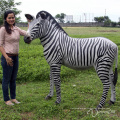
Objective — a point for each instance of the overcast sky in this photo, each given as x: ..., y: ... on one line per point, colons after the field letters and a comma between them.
x: 83, y: 10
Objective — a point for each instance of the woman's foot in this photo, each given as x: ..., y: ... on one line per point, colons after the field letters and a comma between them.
x: 9, y: 103
x: 15, y: 101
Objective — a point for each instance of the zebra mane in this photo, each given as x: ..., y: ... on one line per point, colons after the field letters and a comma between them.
x: 45, y: 15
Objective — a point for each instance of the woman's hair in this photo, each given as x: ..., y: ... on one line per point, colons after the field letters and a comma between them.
x: 7, y: 27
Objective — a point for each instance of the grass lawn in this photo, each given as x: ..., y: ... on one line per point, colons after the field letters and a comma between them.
x: 81, y: 91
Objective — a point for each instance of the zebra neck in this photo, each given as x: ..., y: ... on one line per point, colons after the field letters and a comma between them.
x: 52, y: 36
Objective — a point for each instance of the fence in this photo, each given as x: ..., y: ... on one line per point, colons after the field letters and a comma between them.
x: 21, y: 24
x: 82, y: 24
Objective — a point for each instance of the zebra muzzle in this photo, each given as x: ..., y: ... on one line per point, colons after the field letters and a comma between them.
x: 27, y: 39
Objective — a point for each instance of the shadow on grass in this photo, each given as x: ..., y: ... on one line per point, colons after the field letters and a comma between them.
x: 65, y: 75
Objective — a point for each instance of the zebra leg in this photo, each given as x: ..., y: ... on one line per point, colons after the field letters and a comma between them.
x: 55, y: 71
x: 106, y: 86
x: 49, y: 96
x: 112, y: 100
x: 55, y: 79
x: 103, y: 73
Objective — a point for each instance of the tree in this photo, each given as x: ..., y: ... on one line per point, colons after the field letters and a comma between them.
x: 104, y: 19
x: 6, y: 5
x: 60, y: 17
x: 113, y: 24
x: 118, y: 23
x: 107, y: 21
x: 99, y: 19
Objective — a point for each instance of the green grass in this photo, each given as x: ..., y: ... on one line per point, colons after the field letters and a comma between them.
x: 81, y: 91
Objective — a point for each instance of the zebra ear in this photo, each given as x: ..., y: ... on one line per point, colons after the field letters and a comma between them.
x: 29, y: 17
x: 43, y: 15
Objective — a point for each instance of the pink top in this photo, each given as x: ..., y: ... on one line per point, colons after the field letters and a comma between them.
x: 10, y: 42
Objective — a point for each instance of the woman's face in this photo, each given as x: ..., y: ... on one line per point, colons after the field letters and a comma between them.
x: 10, y: 19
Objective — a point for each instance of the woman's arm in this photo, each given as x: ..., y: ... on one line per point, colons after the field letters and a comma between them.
x: 23, y: 32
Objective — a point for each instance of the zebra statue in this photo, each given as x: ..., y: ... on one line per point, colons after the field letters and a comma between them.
x: 75, y: 53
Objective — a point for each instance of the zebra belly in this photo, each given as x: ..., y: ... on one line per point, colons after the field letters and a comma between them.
x: 76, y: 67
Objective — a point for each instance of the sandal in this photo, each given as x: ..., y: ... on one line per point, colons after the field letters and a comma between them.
x: 15, y: 101
x: 9, y: 103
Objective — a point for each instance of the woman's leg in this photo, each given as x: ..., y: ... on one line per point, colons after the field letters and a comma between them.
x: 7, y: 72
x: 13, y: 78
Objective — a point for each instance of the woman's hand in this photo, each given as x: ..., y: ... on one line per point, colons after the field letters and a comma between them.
x: 9, y: 61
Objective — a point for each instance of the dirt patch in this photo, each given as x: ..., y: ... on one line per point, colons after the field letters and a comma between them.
x: 107, y: 31
x: 26, y: 115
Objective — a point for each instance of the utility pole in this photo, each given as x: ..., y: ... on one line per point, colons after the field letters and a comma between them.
x: 85, y: 16
x: 105, y: 12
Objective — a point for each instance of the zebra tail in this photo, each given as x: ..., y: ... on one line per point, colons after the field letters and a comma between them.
x: 115, y: 77
x: 116, y: 73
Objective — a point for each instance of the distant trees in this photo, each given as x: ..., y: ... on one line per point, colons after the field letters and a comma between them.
x: 104, y: 19
x: 99, y: 19
x: 118, y: 23
x: 107, y: 22
x: 60, y: 17
x: 6, y: 5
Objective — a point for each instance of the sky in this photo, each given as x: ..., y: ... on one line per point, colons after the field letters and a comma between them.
x: 82, y: 10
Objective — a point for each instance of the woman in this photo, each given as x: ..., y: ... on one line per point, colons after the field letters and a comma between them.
x: 9, y: 47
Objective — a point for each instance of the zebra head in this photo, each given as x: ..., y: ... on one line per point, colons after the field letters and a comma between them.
x: 41, y: 25
x: 34, y: 25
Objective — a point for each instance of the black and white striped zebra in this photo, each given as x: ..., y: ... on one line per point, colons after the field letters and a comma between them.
x: 76, y: 53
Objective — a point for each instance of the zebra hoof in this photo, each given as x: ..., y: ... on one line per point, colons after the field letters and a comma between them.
x: 57, y: 103
x: 98, y: 108
x: 111, y: 102
x: 48, y: 98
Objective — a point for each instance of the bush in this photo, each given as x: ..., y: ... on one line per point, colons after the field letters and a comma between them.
x: 113, y: 24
